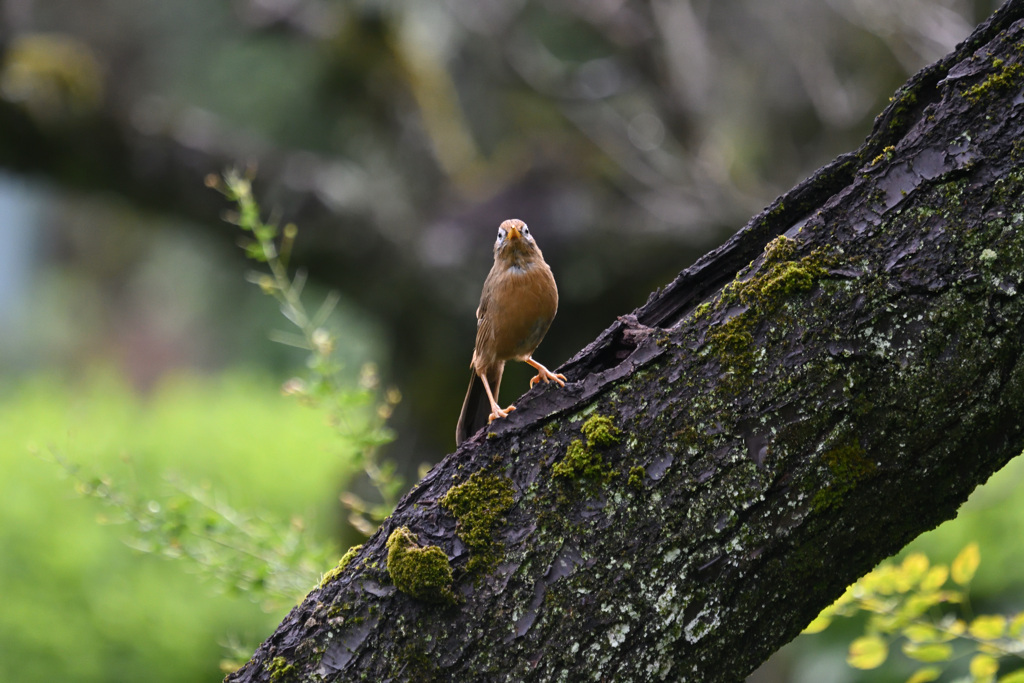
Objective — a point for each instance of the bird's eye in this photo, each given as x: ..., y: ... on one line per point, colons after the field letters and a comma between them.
x: 526, y: 230
x: 501, y: 234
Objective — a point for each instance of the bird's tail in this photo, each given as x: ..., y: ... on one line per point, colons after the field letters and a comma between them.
x: 476, y: 408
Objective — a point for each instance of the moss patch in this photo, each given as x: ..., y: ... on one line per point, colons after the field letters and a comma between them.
x: 1005, y: 77
x: 600, y: 431
x: 636, y: 477
x: 847, y: 465
x: 280, y: 670
x: 582, y: 460
x: 732, y: 343
x: 479, y: 505
x: 342, y: 563
x: 422, y: 572
x: 781, y: 277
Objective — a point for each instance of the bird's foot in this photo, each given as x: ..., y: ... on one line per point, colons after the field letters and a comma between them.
x: 498, y: 412
x: 545, y: 375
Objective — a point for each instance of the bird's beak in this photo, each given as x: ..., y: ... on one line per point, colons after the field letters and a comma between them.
x: 513, y: 234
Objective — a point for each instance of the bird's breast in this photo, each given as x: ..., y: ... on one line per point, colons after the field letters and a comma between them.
x: 524, y: 303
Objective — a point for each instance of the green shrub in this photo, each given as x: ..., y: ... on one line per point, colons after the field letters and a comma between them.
x: 79, y: 604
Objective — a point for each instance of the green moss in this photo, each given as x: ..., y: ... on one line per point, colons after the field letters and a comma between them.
x: 582, y: 460
x: 1005, y: 77
x: 422, y: 572
x: 600, y: 431
x: 847, y: 465
x: 780, y: 278
x: 733, y: 344
x: 906, y: 100
x: 342, y: 563
x: 888, y: 153
x: 280, y: 670
x: 479, y: 505
x: 636, y: 477
x: 779, y: 249
x: 413, y: 664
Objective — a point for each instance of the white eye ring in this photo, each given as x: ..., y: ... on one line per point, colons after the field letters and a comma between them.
x: 501, y: 234
x: 526, y: 230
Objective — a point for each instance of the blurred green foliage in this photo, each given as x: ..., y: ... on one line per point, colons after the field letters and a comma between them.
x: 993, y: 514
x: 79, y: 604
x: 921, y: 607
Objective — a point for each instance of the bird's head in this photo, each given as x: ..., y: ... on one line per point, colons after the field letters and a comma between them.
x: 515, y: 243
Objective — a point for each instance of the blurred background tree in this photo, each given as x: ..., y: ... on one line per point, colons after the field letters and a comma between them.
x: 632, y: 137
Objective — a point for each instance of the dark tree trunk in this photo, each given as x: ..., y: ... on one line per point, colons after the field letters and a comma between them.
x: 795, y: 407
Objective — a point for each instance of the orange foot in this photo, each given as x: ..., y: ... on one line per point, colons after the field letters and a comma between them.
x: 544, y: 375
x: 498, y: 412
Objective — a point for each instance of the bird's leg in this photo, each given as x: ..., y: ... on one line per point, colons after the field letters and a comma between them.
x: 496, y: 410
x: 543, y: 374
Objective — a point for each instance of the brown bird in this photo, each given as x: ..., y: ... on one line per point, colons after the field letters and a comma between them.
x: 517, y: 306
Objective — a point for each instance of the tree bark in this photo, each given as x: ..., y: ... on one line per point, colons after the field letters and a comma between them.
x: 795, y: 407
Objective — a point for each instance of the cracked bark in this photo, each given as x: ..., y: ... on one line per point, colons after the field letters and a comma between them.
x: 801, y: 408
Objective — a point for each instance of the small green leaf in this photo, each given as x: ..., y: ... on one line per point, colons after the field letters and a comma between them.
x: 886, y: 623
x: 820, y: 623
x: 1013, y: 677
x: 867, y: 652
x: 918, y: 603
x: 925, y: 675
x: 846, y: 598
x: 921, y: 633
x: 957, y: 628
x: 254, y: 250
x: 965, y: 564
x: 1016, y: 626
x: 931, y: 652
x: 984, y: 667
x: 988, y: 627
x: 885, y: 579
x: 914, y: 567
x: 876, y: 605
x: 935, y: 578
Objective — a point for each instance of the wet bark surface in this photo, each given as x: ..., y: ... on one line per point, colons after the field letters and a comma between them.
x: 795, y: 407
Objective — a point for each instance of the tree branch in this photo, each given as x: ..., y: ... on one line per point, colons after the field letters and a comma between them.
x: 793, y: 408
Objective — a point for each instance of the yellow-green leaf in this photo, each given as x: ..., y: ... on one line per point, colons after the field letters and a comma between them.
x: 867, y: 652
x: 965, y: 564
x: 921, y: 633
x: 885, y: 579
x: 846, y: 598
x: 935, y: 578
x: 984, y: 667
x: 957, y: 628
x: 914, y: 567
x: 925, y: 675
x: 917, y: 604
x: 1013, y: 677
x: 930, y: 652
x: 885, y: 623
x: 877, y: 605
x: 820, y: 623
x: 988, y: 627
x: 1016, y: 625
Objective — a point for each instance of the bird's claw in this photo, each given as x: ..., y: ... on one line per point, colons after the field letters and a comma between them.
x: 499, y: 413
x: 545, y: 376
